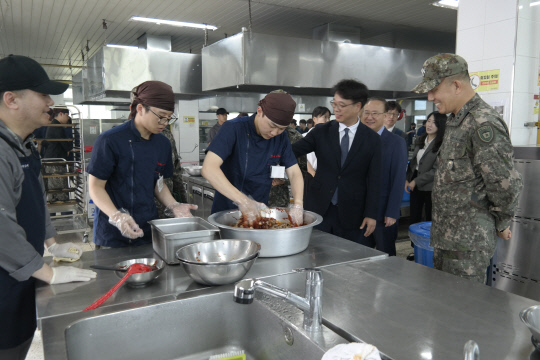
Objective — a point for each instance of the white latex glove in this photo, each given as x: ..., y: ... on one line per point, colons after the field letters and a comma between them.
x: 178, y: 210
x: 67, y: 250
x: 296, y: 212
x: 250, y: 209
x: 126, y: 224
x: 67, y: 274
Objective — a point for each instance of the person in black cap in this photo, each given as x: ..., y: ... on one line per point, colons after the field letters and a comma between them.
x: 24, y: 219
x: 249, y: 152
x: 221, y: 114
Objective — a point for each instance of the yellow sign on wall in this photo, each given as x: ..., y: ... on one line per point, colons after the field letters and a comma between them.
x: 189, y: 119
x: 485, y: 80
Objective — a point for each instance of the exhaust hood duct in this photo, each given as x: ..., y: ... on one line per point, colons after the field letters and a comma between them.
x: 262, y: 63
x: 112, y: 73
x: 155, y: 42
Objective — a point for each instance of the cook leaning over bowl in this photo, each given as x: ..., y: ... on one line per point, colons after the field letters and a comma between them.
x: 240, y: 161
x: 127, y: 168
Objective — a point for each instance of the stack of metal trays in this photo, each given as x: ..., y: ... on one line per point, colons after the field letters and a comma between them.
x: 169, y: 235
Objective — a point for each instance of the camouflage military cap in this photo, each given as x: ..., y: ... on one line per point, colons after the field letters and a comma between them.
x: 437, y: 68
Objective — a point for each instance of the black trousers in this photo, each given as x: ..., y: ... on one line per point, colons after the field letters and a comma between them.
x: 419, y: 201
x: 332, y: 225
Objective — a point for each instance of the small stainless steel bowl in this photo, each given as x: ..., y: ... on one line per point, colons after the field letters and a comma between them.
x: 234, y: 266
x: 141, y: 279
x: 224, y: 251
x: 194, y: 170
x: 531, y: 317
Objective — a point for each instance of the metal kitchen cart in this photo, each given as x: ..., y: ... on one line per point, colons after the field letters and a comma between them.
x: 65, y: 182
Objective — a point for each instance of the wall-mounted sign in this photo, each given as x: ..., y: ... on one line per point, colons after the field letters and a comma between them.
x: 485, y: 80
x: 189, y: 119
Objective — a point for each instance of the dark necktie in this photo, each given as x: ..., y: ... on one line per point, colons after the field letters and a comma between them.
x: 344, y: 152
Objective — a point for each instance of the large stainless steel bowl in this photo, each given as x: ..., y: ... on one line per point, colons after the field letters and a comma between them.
x: 223, y: 251
x: 141, y: 279
x: 274, y: 242
x: 215, y: 272
x: 193, y: 170
x: 531, y: 317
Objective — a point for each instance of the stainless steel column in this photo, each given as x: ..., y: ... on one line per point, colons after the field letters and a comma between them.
x: 515, y: 265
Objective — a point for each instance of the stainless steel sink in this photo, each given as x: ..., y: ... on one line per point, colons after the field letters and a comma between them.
x: 197, y: 328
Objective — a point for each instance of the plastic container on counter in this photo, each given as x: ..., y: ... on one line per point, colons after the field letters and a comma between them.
x: 420, y: 234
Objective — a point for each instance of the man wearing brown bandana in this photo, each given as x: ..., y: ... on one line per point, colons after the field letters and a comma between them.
x: 128, y: 167
x: 245, y: 155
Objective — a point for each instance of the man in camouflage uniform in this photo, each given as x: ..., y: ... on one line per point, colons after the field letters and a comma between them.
x: 279, y: 193
x: 174, y: 183
x: 476, y: 187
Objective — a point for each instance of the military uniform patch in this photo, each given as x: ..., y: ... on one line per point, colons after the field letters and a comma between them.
x: 485, y: 133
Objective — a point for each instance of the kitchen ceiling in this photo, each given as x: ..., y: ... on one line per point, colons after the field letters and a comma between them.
x: 61, y: 32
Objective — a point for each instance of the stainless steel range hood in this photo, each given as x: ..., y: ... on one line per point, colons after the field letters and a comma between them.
x: 113, y: 72
x: 261, y: 63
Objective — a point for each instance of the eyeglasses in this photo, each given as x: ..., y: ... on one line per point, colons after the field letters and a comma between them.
x: 162, y: 120
x: 374, y: 114
x: 340, y: 106
x: 393, y: 114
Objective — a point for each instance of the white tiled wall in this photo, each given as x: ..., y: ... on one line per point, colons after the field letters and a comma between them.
x: 504, y: 35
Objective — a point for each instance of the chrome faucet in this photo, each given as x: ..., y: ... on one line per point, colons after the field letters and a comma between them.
x: 244, y: 292
x: 471, y: 350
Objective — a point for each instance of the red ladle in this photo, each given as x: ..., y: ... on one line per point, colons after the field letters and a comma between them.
x: 132, y: 269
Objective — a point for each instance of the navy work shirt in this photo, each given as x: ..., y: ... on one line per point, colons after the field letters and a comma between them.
x: 247, y: 159
x: 131, y: 165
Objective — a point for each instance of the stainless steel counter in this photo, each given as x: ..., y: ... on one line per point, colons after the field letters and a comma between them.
x: 410, y: 311
x: 55, y: 300
x: 407, y: 310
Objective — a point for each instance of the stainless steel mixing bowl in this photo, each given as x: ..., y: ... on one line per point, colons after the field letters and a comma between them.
x: 531, y: 317
x: 274, y: 242
x: 237, y: 261
x: 141, y: 279
x: 223, y: 251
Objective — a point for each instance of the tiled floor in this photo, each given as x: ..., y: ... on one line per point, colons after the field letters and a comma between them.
x: 403, y: 249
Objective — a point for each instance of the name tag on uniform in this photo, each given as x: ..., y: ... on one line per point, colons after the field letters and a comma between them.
x: 278, y: 172
x: 160, y: 183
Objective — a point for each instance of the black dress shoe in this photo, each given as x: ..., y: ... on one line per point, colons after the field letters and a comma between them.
x: 410, y: 257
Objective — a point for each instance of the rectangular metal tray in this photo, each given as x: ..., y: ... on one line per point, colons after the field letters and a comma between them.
x: 168, y: 235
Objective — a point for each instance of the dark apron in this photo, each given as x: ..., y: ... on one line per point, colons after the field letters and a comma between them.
x: 17, y: 298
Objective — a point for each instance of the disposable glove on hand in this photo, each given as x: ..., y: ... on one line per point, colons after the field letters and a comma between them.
x: 250, y: 209
x: 68, y: 250
x: 178, y: 210
x: 126, y: 224
x: 67, y: 274
x: 296, y: 213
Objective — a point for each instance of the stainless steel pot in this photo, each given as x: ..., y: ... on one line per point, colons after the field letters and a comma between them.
x: 274, y: 242
x: 194, y: 170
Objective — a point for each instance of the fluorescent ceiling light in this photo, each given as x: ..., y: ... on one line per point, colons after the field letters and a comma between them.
x: 535, y: 3
x: 449, y: 4
x: 174, y: 23
x: 123, y: 46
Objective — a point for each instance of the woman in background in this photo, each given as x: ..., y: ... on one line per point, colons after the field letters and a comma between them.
x: 422, y: 167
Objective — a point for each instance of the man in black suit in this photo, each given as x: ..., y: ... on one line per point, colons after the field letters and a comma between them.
x: 394, y: 160
x: 345, y: 190
x: 392, y: 116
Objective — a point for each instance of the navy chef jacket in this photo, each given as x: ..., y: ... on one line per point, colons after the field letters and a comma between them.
x: 131, y: 165
x: 247, y: 159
